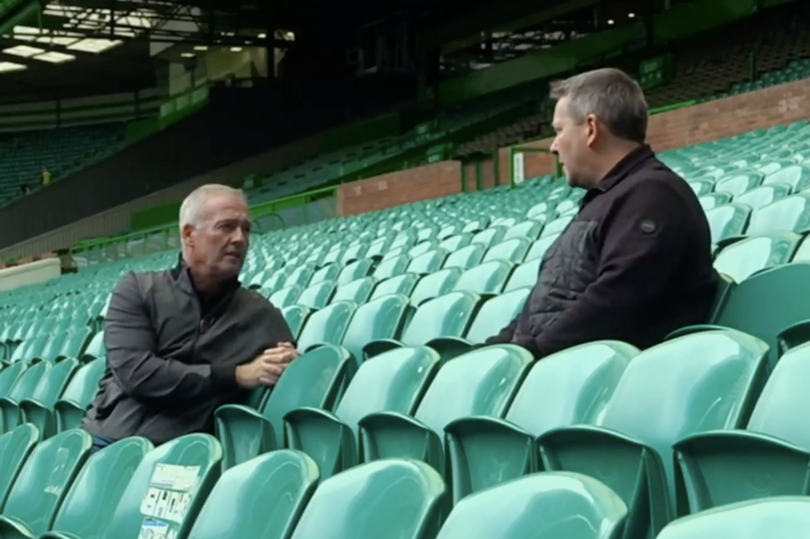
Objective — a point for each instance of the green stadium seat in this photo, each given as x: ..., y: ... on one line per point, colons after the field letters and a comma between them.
x: 523, y: 276
x: 748, y: 256
x: 567, y: 388
x: 317, y: 379
x: 497, y: 312
x: 513, y: 250
x: 69, y: 409
x: 42, y: 483
x: 391, y: 382
x: 406, y: 498
x: 326, y: 273
x: 583, y: 508
x: 353, y: 271
x: 769, y: 458
x: 428, y: 262
x: 539, y: 247
x: 296, y: 316
x: 286, y: 296
x: 466, y: 257
x: 24, y: 388
x: 15, y: 447
x: 379, y: 319
x: 485, y: 279
x: 529, y: 230
x: 738, y: 183
x: 434, y: 285
x: 86, y: 508
x: 797, y: 177
x: 481, y: 382
x: 728, y: 222
x: 762, y: 196
x: 282, y: 481
x: 790, y: 214
x: 326, y: 326
x: 357, y: 291
x: 316, y: 296
x: 182, y: 471
x: 38, y: 408
x: 391, y: 267
x: 777, y: 518
x: 454, y: 243
x: 445, y: 316
x: 712, y: 380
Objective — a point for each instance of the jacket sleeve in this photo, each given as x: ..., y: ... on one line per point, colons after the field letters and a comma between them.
x: 641, y: 250
x: 131, y: 343
x: 277, y: 327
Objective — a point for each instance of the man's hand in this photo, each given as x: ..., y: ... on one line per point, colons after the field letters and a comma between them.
x: 267, y: 368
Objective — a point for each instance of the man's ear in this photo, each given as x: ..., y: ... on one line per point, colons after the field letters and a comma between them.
x: 594, y: 129
x: 187, y: 235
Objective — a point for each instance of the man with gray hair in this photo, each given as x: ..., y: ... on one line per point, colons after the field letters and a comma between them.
x: 181, y: 343
x: 635, y: 263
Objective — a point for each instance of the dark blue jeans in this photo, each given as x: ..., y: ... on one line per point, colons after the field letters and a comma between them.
x: 100, y: 442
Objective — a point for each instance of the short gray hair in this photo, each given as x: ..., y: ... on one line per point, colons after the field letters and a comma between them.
x: 609, y: 94
x: 191, y: 209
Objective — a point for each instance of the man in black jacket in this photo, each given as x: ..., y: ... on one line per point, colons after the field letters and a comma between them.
x: 183, y: 342
x: 635, y: 263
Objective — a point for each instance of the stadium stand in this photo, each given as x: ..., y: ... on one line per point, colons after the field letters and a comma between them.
x: 385, y: 300
x: 391, y: 424
x: 23, y: 156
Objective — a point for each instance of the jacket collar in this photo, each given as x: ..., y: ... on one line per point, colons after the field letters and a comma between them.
x: 182, y: 277
x: 624, y: 167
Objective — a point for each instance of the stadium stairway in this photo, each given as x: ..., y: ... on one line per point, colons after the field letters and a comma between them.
x: 390, y: 425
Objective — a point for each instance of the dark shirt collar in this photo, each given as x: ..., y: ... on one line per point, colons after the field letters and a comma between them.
x: 182, y: 276
x: 620, y: 171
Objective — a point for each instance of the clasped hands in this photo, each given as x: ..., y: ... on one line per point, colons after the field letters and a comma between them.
x: 267, y: 367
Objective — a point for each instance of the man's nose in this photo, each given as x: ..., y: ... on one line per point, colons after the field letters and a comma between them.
x: 239, y: 236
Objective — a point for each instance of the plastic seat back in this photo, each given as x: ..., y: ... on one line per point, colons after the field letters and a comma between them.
x: 317, y: 378
x: 528, y: 230
x: 783, y: 517
x: 295, y: 316
x: 764, y: 195
x: 571, y: 387
x: 326, y: 326
x: 381, y: 318
x: 445, y: 316
x: 538, y: 249
x: 38, y: 408
x: 481, y: 382
x: 262, y: 498
x: 708, y: 381
x: 496, y: 312
x: 167, y: 489
x: 513, y: 250
x: 728, y: 221
x: 89, y: 504
x: 317, y: 296
x: 401, y: 284
x: 45, y: 478
x: 798, y: 177
x: 790, y: 214
x: 486, y: 278
x: 769, y: 303
x: 434, y: 285
x: 742, y: 259
x: 15, y: 447
x: 388, y: 499
x: 550, y: 505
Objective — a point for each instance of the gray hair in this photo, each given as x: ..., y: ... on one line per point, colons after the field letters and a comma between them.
x: 192, y: 207
x: 609, y: 94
